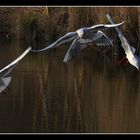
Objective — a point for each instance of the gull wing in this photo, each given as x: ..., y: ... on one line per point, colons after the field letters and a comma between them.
x: 4, y: 82
x: 7, y: 71
x: 67, y: 37
x: 85, y: 41
x: 103, y: 42
x: 103, y: 26
x: 125, y: 44
x: 133, y: 49
x: 103, y: 39
x: 74, y: 49
x: 100, y: 39
x: 12, y: 65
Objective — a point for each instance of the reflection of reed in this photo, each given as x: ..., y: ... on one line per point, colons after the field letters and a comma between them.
x: 85, y: 95
x: 40, y: 114
x: 78, y: 108
x: 66, y: 115
x: 44, y: 121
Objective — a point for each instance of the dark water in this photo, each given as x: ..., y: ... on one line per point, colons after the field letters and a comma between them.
x: 89, y: 94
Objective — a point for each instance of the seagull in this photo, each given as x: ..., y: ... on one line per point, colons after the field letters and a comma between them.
x: 92, y: 33
x: 129, y: 50
x: 4, y: 80
x: 84, y: 33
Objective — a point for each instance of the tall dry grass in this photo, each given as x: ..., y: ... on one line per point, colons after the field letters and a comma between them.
x: 47, y: 24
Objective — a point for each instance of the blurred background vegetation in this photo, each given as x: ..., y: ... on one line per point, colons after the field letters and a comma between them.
x: 46, y: 24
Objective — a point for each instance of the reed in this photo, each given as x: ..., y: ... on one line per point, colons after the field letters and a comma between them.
x: 46, y: 24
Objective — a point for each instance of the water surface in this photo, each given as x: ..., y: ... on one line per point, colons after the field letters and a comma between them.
x: 89, y: 94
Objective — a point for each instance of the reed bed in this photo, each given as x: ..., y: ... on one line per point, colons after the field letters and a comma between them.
x: 46, y: 24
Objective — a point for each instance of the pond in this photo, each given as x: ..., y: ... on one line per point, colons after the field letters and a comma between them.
x: 90, y: 94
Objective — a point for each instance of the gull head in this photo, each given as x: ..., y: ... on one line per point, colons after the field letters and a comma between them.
x: 80, y: 32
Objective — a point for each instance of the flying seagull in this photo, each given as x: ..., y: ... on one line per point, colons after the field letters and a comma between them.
x: 4, y: 80
x: 92, y: 33
x: 84, y: 33
x: 129, y: 50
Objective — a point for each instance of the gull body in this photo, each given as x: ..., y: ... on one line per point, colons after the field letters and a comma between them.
x: 4, y: 80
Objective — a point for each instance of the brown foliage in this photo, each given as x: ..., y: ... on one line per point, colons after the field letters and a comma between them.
x: 46, y: 24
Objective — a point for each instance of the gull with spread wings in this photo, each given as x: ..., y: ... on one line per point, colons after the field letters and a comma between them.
x: 92, y: 33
